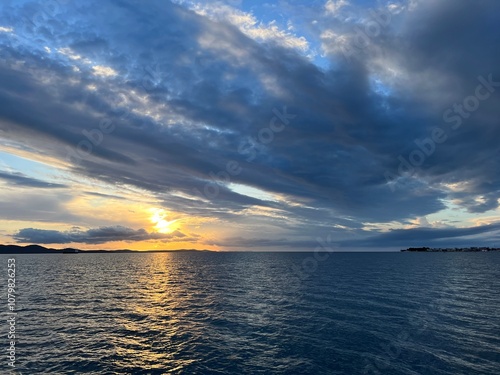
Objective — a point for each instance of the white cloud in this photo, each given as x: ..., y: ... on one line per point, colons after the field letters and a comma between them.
x: 399, y: 7
x: 6, y: 29
x: 248, y: 24
x: 333, y: 6
x: 98, y: 70
x: 69, y: 53
x: 395, y: 8
x: 333, y: 42
x: 72, y: 55
x: 104, y: 71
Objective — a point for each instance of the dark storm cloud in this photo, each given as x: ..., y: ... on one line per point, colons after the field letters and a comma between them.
x: 92, y: 236
x: 211, y: 90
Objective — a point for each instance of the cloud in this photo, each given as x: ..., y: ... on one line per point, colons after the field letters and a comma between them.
x: 187, y: 92
x: 20, y: 179
x: 41, y: 205
x: 91, y: 236
x: 104, y: 71
x: 333, y: 6
x: 283, y: 243
x: 428, y: 237
x: 248, y: 24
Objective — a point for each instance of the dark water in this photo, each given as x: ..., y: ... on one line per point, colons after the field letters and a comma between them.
x: 256, y: 313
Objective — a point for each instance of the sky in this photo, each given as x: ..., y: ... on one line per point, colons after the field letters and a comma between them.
x: 250, y: 125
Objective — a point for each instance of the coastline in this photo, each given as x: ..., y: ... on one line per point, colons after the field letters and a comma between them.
x: 450, y: 249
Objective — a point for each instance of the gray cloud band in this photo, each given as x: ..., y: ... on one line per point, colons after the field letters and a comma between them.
x: 426, y: 147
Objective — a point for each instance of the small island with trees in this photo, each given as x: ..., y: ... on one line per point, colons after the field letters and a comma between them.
x: 450, y: 249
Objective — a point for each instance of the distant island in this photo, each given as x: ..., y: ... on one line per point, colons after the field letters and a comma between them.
x: 37, y: 249
x: 450, y: 249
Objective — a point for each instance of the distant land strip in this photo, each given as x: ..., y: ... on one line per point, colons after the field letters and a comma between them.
x: 37, y: 249
x: 450, y: 249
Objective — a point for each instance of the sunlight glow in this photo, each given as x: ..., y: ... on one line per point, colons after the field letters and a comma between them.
x: 162, y: 225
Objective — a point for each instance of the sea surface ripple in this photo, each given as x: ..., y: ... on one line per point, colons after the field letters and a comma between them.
x: 256, y: 313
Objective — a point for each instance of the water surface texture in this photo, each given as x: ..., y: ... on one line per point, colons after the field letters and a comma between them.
x: 256, y: 313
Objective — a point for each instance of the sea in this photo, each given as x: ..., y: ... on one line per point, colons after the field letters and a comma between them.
x: 252, y: 313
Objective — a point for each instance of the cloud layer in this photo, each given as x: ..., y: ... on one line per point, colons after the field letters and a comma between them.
x: 169, y: 98
x: 91, y: 236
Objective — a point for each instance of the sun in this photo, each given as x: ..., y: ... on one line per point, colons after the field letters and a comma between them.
x: 162, y: 225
